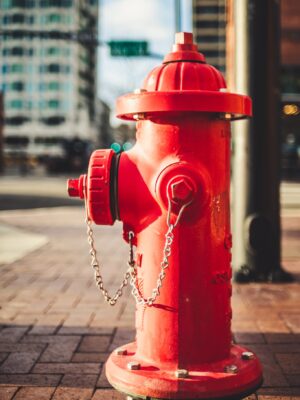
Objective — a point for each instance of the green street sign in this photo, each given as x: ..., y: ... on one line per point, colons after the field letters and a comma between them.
x: 128, y: 48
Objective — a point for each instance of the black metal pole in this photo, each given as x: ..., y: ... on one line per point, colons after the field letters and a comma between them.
x: 262, y: 231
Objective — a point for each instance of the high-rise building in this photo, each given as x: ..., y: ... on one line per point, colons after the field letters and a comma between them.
x: 1, y: 132
x: 290, y: 46
x: 48, y: 72
x: 290, y: 79
x: 209, y: 19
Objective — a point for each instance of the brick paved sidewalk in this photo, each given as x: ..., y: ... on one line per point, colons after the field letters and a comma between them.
x: 56, y: 332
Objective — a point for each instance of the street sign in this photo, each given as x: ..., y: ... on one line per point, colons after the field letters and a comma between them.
x: 128, y: 48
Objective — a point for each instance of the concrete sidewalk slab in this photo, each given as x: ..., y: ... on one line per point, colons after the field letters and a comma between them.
x: 15, y: 243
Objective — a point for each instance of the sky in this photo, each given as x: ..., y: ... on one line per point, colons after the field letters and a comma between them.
x: 151, y: 20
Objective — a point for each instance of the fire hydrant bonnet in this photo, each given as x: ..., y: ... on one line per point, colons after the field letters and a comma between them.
x: 183, y: 83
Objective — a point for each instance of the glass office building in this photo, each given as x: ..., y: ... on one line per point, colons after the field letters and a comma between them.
x: 209, y: 20
x: 48, y: 70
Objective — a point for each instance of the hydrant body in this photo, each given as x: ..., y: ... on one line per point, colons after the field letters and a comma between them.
x: 179, y: 168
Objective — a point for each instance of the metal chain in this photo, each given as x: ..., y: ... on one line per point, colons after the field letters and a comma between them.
x: 111, y: 300
x: 132, y: 268
x: 167, y: 251
x: 163, y: 265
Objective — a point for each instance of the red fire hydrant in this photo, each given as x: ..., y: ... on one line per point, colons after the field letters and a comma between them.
x: 171, y: 191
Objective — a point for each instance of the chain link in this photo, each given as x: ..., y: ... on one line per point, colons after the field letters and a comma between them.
x: 131, y: 272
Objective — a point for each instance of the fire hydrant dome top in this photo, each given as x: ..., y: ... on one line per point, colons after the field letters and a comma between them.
x: 184, y: 69
x: 184, y: 82
x: 184, y: 76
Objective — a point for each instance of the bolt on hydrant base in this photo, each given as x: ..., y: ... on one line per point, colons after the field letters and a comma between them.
x: 210, y: 381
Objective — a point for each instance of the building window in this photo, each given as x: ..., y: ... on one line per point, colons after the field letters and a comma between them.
x: 24, y: 3
x: 53, y: 85
x: 5, y: 69
x: 7, y: 4
x: 17, y: 51
x: 18, y: 120
x: 6, y: 20
x: 56, y: 3
x: 17, y: 86
x: 57, y: 120
x: 211, y: 39
x: 209, y: 10
x: 18, y: 18
x: 17, y: 68
x: 16, y: 104
x: 215, y: 53
x: 53, y: 68
x: 18, y: 140
x: 210, y: 24
x: 53, y: 104
x: 53, y: 51
x: 54, y: 18
x: 5, y: 51
x: 3, y: 87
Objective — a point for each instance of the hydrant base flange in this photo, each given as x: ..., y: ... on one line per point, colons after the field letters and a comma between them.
x: 218, y: 380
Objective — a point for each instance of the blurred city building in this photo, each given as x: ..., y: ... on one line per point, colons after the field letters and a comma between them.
x: 209, y: 27
x: 209, y: 20
x: 124, y: 133
x: 290, y: 61
x: 104, y: 129
x: 48, y: 76
x: 1, y: 132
